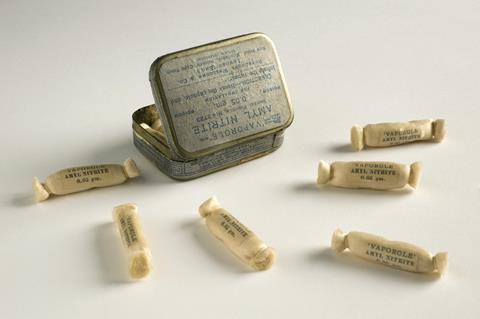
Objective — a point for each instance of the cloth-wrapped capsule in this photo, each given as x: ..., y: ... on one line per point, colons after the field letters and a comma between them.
x: 128, y: 225
x: 157, y: 132
x: 77, y: 179
x: 374, y: 175
x: 395, y: 254
x: 390, y: 134
x: 240, y: 240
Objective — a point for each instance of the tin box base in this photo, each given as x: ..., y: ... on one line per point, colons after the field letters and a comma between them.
x: 159, y: 153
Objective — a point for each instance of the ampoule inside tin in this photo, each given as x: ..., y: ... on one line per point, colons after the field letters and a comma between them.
x: 157, y: 132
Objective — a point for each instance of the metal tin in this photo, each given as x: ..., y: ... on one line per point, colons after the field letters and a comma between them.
x: 219, y: 105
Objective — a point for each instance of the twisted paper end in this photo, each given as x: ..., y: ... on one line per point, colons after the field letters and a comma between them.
x: 40, y: 191
x: 129, y: 207
x: 264, y: 259
x: 356, y: 137
x: 415, y: 174
x: 208, y: 206
x: 439, y: 130
x: 440, y: 262
x: 339, y: 241
x: 323, y: 173
x: 130, y: 168
x: 140, y: 265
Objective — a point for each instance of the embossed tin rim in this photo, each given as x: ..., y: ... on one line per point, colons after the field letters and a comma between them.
x: 143, y: 136
x: 162, y: 105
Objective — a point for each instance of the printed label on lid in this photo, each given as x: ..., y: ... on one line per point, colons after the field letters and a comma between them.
x: 225, y: 94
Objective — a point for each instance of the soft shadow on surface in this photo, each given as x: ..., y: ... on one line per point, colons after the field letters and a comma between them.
x: 346, y: 261
x: 21, y: 200
x: 328, y: 189
x: 214, y: 247
x: 120, y: 150
x: 112, y: 257
x: 342, y: 148
x: 191, y: 224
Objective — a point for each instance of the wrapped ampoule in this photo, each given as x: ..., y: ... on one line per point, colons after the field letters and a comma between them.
x: 390, y: 134
x: 373, y: 175
x: 128, y: 224
x: 77, y: 179
x: 240, y: 240
x: 395, y: 254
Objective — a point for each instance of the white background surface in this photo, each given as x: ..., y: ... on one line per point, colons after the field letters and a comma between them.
x: 72, y: 72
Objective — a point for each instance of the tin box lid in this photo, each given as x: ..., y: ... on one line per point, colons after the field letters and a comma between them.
x: 220, y: 94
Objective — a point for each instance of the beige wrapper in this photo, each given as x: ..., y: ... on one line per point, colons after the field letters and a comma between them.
x: 374, y: 175
x: 390, y: 134
x: 128, y: 224
x: 395, y: 254
x: 77, y: 179
x: 241, y: 241
x: 157, y: 125
x: 157, y: 132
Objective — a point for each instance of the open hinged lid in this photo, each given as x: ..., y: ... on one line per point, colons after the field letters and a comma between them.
x: 220, y: 94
